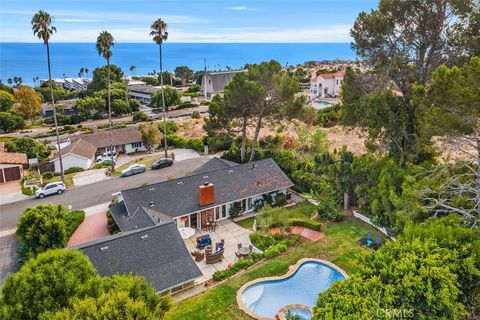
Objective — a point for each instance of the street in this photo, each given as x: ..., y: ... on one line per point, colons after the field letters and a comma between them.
x: 96, y: 193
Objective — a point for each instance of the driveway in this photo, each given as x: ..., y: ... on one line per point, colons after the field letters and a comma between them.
x: 97, y: 193
x: 89, y: 176
x: 93, y: 227
x: 11, y: 192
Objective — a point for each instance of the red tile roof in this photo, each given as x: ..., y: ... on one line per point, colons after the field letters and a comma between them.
x: 12, y: 157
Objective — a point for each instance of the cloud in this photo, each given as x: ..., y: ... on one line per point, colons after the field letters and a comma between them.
x: 240, y: 8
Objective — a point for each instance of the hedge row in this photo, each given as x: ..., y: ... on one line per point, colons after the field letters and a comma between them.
x: 74, y: 219
x: 314, y: 225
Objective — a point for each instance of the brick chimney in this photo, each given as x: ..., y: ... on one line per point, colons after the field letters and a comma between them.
x: 206, y: 194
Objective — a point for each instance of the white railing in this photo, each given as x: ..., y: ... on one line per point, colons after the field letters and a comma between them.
x: 366, y: 219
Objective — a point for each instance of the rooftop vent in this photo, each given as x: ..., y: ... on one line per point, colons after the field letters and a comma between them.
x: 151, y: 204
x: 145, y: 236
x: 151, y: 189
x: 180, y: 182
x: 205, y: 177
x: 230, y: 171
x: 104, y: 248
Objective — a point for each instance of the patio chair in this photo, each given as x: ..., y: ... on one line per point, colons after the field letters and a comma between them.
x: 239, y: 245
x: 251, y: 248
x: 204, y: 241
x: 214, y: 258
x: 219, y: 245
x: 366, y: 240
x: 378, y: 243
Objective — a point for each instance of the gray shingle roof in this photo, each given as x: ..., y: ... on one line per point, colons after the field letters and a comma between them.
x: 180, y: 196
x: 101, y: 138
x: 213, y: 164
x: 78, y: 147
x: 142, y: 217
x: 158, y: 253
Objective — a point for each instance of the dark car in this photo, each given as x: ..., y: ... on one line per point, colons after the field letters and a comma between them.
x: 162, y: 163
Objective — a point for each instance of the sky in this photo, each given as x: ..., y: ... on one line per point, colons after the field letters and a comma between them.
x: 188, y: 21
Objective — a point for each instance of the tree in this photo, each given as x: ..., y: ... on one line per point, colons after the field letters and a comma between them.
x: 88, y: 105
x: 59, y: 93
x: 42, y: 228
x: 31, y: 147
x: 121, y: 297
x: 151, y: 136
x: 279, y: 88
x: 134, y: 105
x: 42, y: 27
x: 104, y: 44
x: 29, y: 102
x: 6, y: 101
x: 100, y: 77
x: 451, y: 104
x: 344, y: 176
x: 46, y: 284
x: 11, y: 121
x: 184, y: 73
x: 119, y: 107
x: 158, y: 31
x: 172, y: 98
x: 132, y: 69
x: 403, y: 41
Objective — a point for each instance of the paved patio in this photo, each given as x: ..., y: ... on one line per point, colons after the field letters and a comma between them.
x: 232, y: 234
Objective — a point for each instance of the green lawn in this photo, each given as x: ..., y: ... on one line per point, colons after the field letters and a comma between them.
x: 68, y: 179
x: 339, y: 246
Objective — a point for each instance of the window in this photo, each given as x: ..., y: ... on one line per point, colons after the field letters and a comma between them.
x: 337, y: 81
x: 136, y: 144
x: 224, y: 211
x: 217, y: 213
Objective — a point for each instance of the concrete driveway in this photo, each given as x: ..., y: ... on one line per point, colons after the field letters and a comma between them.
x: 11, y: 192
x: 89, y: 176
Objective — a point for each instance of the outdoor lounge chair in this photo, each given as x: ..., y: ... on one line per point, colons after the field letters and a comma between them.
x: 365, y: 241
x: 214, y: 258
x: 204, y: 241
x: 378, y: 243
x: 219, y: 245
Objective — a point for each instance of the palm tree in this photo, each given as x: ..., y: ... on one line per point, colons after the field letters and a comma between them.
x: 43, y: 29
x: 104, y: 44
x: 82, y: 70
x: 34, y: 81
x: 132, y: 69
x: 86, y: 72
x: 160, y: 34
x: 10, y: 81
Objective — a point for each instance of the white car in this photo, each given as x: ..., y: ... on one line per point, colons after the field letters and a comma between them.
x: 106, y: 156
x: 49, y: 189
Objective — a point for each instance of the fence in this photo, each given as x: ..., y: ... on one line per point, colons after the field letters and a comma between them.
x: 366, y: 219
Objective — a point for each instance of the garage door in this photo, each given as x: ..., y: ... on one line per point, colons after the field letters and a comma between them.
x: 10, y: 174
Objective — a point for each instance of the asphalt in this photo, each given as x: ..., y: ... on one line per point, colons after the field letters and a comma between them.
x: 97, y: 193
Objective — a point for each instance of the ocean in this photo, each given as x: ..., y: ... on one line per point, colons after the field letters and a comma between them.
x: 28, y: 60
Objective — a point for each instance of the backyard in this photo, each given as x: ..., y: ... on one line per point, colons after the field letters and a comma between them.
x: 338, y: 246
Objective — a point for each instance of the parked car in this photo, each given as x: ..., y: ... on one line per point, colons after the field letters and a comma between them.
x: 106, y: 155
x: 49, y: 189
x: 133, y: 169
x: 162, y: 163
x: 104, y: 160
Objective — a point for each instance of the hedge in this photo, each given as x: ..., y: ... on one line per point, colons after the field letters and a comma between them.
x: 242, y: 263
x: 185, y: 143
x: 73, y: 170
x: 260, y: 241
x: 73, y: 220
x: 314, y: 225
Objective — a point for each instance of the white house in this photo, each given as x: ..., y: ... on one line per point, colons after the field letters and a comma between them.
x: 79, y: 153
x: 215, y: 82
x: 326, y: 85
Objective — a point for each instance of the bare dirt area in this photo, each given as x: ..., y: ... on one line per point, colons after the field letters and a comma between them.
x: 192, y: 128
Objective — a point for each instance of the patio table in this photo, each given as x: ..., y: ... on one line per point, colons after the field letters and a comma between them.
x: 186, y: 232
x: 244, y: 251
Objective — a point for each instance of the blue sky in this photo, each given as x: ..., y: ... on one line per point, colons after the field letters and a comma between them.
x: 188, y: 21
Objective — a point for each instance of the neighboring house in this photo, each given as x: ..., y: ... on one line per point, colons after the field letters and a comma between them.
x: 126, y: 140
x: 214, y: 82
x: 209, y: 192
x: 326, y: 85
x: 79, y: 153
x: 156, y: 252
x: 68, y: 108
x: 11, y: 164
x: 142, y: 92
x: 71, y: 83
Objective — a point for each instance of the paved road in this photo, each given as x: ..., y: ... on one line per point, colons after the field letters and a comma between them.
x: 96, y: 193
x: 8, y: 253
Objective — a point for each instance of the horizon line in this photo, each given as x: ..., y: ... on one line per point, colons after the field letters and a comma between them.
x: 151, y: 42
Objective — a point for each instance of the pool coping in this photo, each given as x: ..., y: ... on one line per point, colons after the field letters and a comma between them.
x: 291, y: 270
x: 281, y: 314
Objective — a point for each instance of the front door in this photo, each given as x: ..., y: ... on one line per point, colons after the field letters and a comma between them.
x: 193, y: 221
x: 206, y: 215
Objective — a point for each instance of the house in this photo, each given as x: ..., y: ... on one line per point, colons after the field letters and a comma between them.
x: 71, y: 83
x: 11, y: 164
x: 207, y: 194
x: 149, y: 243
x: 214, y: 82
x: 326, y: 85
x: 125, y: 140
x: 68, y: 108
x: 79, y: 153
x: 142, y: 92
x: 156, y: 252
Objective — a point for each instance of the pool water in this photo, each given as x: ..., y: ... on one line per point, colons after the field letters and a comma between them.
x: 266, y: 298
x: 303, y: 314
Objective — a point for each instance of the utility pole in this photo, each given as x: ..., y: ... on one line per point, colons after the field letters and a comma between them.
x: 205, y: 78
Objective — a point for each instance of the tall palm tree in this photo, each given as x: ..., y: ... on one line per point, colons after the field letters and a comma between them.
x: 82, y: 70
x: 132, y: 69
x: 160, y: 34
x: 42, y: 27
x: 104, y: 44
x: 10, y: 81
x: 86, y: 72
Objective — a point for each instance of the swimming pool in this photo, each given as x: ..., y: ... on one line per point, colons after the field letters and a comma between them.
x: 263, y: 298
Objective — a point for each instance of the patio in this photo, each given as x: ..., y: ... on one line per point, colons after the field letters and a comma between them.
x: 232, y: 234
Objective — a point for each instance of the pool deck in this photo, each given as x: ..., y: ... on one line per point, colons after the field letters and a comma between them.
x: 291, y: 270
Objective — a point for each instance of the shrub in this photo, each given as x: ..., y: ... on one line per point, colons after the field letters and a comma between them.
x: 242, y: 263
x: 172, y: 127
x: 112, y: 226
x: 47, y: 175
x: 329, y: 117
x: 73, y: 170
x: 260, y: 241
x: 280, y: 199
x: 275, y: 250
x: 195, y: 114
x: 74, y: 219
x: 186, y: 105
x: 219, y: 142
x: 140, y: 116
x: 311, y: 224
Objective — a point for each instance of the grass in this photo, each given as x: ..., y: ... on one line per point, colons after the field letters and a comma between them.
x: 74, y: 219
x: 246, y: 223
x: 68, y: 179
x: 29, y: 191
x: 146, y: 160
x: 338, y: 246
